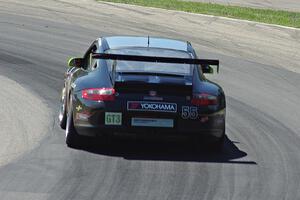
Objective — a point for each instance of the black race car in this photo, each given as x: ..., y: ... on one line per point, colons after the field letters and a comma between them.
x: 141, y: 86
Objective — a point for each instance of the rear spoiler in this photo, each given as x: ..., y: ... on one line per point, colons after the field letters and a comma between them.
x: 202, y: 62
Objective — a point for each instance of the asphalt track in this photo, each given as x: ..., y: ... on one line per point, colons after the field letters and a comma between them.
x: 290, y: 5
x: 15, y: 139
x: 259, y: 72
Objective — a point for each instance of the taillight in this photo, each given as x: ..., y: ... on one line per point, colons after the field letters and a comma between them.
x: 99, y: 94
x: 204, y: 99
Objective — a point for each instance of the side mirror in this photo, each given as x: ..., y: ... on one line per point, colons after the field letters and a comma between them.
x: 75, y: 62
x: 207, y: 69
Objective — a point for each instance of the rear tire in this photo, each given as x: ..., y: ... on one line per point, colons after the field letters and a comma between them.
x: 73, y: 140
x: 218, y: 145
x: 211, y: 144
x: 62, y: 117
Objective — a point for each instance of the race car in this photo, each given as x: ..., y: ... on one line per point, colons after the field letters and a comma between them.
x: 142, y: 87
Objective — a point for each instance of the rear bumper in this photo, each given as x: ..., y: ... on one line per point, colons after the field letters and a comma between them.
x: 148, y: 133
x: 90, y: 121
x: 212, y: 127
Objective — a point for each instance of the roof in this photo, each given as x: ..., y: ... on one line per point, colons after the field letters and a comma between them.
x: 116, y: 42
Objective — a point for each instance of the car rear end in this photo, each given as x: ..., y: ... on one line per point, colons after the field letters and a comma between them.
x: 151, y: 101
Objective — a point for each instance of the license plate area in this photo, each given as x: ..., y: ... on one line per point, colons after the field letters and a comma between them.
x: 152, y: 122
x: 113, y: 118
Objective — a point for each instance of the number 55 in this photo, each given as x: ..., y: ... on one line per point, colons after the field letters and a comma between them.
x: 189, y: 112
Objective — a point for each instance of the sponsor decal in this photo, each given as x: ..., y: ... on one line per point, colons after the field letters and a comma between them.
x: 78, y: 108
x: 82, y: 116
x: 152, y: 122
x: 153, y: 98
x: 152, y: 93
x: 113, y: 118
x: 151, y: 106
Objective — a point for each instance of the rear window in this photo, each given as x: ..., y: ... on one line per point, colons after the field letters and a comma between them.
x: 150, y: 67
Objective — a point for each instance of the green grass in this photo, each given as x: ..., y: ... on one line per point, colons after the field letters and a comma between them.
x: 284, y: 18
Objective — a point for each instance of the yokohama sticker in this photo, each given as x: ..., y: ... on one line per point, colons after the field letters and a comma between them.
x: 151, y: 106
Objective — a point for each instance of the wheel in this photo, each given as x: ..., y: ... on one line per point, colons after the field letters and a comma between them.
x: 62, y: 117
x: 219, y: 144
x: 73, y: 140
x: 212, y: 144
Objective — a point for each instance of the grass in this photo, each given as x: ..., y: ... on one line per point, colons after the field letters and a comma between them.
x: 284, y: 18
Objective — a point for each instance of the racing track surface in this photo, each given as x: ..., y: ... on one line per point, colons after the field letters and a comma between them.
x: 259, y: 66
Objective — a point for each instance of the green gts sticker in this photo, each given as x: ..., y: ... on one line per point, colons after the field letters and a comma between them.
x: 113, y: 118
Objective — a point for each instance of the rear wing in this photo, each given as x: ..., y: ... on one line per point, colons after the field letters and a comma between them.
x: 205, y: 63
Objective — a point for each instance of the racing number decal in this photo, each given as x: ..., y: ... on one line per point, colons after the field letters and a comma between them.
x: 189, y: 112
x: 193, y: 112
x: 185, y: 113
x: 113, y: 118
